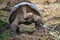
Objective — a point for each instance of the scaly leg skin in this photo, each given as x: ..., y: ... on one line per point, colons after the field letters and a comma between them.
x: 13, y: 27
x: 38, y: 22
x: 38, y: 25
x: 13, y: 30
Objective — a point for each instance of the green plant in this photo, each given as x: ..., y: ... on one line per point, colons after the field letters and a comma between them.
x: 4, y: 35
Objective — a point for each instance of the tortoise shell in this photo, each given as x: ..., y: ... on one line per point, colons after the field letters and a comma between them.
x: 18, y: 6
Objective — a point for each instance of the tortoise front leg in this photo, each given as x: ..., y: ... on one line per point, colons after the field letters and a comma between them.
x: 38, y: 22
x: 13, y: 27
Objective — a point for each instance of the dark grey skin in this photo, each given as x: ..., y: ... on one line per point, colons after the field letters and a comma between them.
x: 22, y: 16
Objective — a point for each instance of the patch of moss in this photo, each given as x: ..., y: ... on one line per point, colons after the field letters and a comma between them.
x: 2, y: 23
x: 4, y: 35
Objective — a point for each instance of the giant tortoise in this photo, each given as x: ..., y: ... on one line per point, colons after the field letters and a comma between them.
x: 24, y: 13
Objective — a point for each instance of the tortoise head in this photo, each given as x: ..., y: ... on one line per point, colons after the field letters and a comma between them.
x: 28, y: 16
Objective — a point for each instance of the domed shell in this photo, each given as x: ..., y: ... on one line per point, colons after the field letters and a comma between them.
x: 16, y: 7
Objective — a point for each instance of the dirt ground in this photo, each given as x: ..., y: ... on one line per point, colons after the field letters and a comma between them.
x: 50, y: 16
